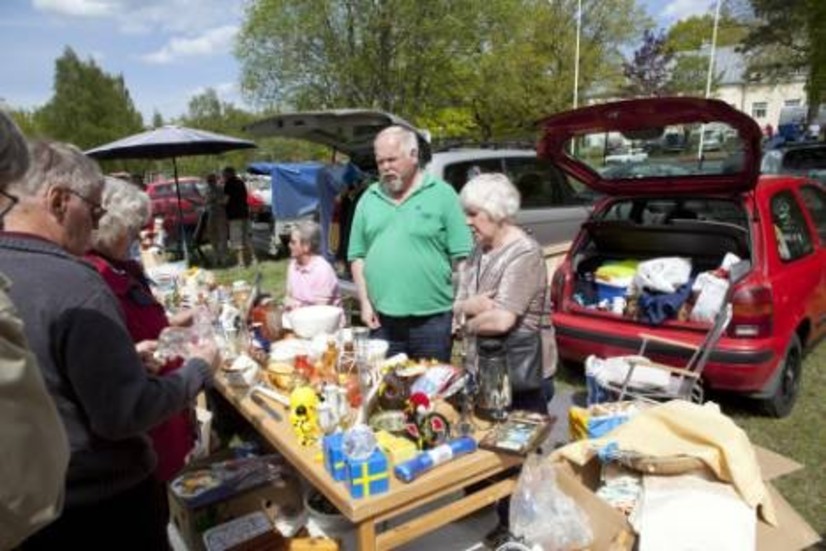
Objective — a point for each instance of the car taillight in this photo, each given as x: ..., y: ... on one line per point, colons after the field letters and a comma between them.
x: 559, y: 287
x: 752, y: 312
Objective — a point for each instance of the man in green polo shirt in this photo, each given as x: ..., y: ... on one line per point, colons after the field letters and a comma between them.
x: 408, y: 232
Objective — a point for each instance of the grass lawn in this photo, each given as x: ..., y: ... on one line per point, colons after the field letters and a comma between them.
x: 795, y: 436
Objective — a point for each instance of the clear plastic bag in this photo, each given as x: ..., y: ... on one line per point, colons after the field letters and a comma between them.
x: 542, y: 514
x: 662, y: 275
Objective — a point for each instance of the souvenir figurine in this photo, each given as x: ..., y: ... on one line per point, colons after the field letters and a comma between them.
x: 304, y: 415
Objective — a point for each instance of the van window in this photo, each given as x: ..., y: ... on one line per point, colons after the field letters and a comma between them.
x: 458, y: 174
x: 541, y: 184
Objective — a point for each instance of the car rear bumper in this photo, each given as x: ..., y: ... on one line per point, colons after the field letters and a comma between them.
x: 740, y: 365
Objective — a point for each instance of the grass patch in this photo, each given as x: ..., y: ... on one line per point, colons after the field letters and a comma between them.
x: 797, y: 436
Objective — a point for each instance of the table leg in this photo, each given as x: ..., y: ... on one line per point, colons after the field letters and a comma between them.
x: 367, y: 535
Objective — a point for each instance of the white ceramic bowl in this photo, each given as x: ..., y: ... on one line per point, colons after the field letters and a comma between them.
x: 315, y: 320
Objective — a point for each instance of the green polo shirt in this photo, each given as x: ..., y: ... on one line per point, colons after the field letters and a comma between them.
x: 408, y: 248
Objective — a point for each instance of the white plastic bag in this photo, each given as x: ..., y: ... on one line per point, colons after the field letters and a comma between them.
x: 543, y: 514
x: 662, y: 275
x: 711, y: 292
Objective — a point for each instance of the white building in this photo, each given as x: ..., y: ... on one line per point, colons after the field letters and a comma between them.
x: 759, y: 98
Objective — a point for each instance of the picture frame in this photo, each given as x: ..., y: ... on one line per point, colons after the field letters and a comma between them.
x: 519, y: 434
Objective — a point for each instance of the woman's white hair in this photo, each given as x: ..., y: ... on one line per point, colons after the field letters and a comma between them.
x: 14, y: 151
x: 309, y: 233
x: 127, y: 211
x: 59, y: 164
x: 492, y: 193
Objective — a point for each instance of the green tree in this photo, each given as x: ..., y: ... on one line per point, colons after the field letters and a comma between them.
x: 89, y: 107
x: 689, y: 74
x: 692, y: 33
x: 485, y: 68
x: 788, y: 37
x: 157, y: 120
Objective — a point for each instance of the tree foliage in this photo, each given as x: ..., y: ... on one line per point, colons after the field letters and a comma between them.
x: 89, y: 107
x: 480, y: 68
x: 649, y: 71
x: 788, y: 37
x: 692, y: 33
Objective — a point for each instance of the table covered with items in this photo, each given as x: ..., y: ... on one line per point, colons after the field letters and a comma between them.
x: 363, y: 439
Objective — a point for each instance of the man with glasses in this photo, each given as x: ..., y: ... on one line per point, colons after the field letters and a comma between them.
x: 36, y: 451
x: 105, y: 396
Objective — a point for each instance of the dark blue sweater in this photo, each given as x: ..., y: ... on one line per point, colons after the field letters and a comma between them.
x: 103, y: 393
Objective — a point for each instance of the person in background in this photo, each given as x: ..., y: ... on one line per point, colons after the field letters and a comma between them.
x: 35, y: 448
x: 216, y: 202
x: 310, y: 278
x: 127, y: 211
x: 503, y: 292
x: 408, y: 232
x: 105, y: 396
x: 238, y: 215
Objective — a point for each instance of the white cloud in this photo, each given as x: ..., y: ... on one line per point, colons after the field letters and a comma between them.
x: 77, y: 8
x: 145, y: 16
x: 218, y: 40
x: 681, y: 9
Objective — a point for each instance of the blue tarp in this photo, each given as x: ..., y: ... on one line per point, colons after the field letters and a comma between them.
x: 294, y: 190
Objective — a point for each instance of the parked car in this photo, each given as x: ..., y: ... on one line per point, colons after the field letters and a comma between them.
x: 777, y: 224
x: 553, y: 206
x: 802, y: 159
x: 165, y: 203
x: 631, y: 155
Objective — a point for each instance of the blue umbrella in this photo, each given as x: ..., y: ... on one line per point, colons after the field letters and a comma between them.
x: 170, y: 142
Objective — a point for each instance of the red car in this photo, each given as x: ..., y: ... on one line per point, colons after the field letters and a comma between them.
x: 715, y: 204
x: 165, y: 202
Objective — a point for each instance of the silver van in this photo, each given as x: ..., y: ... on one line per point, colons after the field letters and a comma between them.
x: 553, y: 205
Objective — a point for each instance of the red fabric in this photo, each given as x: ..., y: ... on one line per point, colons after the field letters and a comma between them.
x: 145, y: 319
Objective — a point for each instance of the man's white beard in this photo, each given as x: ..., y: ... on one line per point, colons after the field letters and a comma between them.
x: 393, y: 186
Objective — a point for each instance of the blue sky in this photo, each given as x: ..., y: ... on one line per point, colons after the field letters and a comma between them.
x: 167, y: 50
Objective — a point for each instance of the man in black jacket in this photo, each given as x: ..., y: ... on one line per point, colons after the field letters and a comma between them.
x: 104, y: 395
x: 238, y: 216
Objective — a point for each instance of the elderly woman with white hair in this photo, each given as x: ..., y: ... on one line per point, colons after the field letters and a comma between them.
x: 127, y: 211
x: 502, y: 298
x: 503, y: 289
x: 310, y: 278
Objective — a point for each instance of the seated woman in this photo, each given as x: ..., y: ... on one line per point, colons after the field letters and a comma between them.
x: 503, y: 287
x: 310, y: 278
x: 127, y: 211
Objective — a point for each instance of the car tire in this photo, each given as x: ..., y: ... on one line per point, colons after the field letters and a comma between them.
x: 782, y: 400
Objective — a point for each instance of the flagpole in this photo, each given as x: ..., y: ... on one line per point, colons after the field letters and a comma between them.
x: 710, y: 70
x: 576, y: 55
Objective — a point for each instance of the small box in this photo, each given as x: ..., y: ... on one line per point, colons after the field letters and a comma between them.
x: 368, y: 477
x: 397, y: 448
x: 334, y: 458
x: 192, y: 520
x: 608, y: 291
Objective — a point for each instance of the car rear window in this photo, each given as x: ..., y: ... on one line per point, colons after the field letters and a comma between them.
x: 648, y: 211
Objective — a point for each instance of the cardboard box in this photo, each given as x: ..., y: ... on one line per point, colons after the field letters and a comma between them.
x: 191, y: 522
x: 613, y: 533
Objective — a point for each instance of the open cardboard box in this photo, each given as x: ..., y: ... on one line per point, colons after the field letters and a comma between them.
x: 612, y: 532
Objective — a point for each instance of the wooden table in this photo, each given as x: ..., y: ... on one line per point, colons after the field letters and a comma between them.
x: 369, y: 512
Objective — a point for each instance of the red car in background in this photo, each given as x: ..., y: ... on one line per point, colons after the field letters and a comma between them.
x: 165, y: 202
x: 715, y: 204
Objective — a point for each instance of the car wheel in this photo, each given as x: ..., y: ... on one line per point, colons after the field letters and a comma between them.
x: 781, y: 402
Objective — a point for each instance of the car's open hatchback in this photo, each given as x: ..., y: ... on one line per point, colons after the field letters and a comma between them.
x: 670, y: 146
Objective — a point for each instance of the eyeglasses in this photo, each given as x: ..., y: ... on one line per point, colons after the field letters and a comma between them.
x: 96, y: 209
x: 4, y: 210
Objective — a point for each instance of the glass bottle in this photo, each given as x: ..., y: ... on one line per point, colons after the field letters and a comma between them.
x: 494, y: 397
